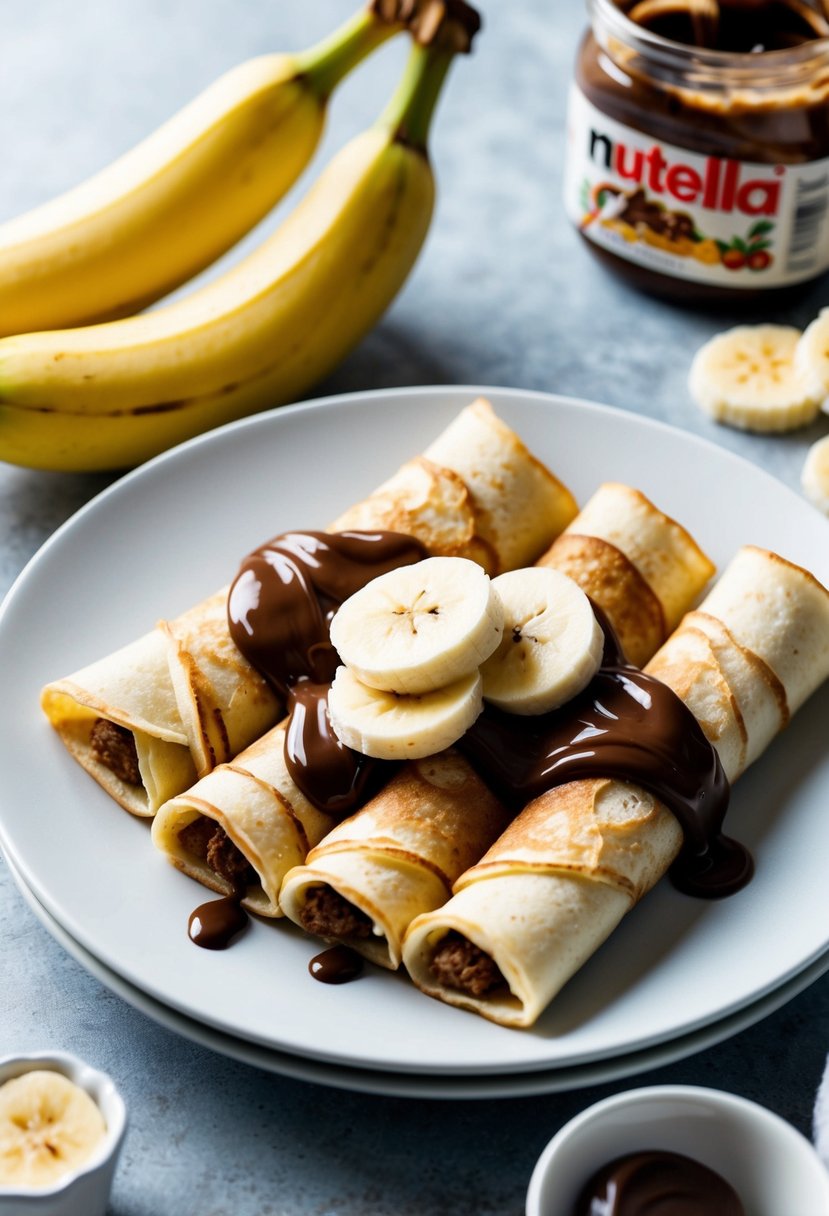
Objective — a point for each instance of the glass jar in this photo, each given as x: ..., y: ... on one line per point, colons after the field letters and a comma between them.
x: 701, y: 175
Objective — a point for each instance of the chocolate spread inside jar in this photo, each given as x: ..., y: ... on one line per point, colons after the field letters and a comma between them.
x: 698, y: 158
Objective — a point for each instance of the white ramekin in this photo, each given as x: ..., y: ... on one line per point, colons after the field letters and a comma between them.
x: 85, y: 1191
x: 772, y: 1167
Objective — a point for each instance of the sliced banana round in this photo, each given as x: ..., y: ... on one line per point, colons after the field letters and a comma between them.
x: 747, y: 377
x: 392, y: 726
x: 49, y: 1127
x: 811, y: 357
x: 552, y: 645
x: 815, y: 476
x: 420, y: 627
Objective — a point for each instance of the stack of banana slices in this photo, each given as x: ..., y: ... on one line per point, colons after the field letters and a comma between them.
x: 424, y: 646
x: 86, y: 384
x: 770, y: 379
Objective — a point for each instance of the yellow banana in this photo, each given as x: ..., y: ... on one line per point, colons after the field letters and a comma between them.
x: 182, y: 197
x: 112, y: 395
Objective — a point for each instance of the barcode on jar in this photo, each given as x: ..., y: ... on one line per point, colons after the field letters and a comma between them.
x: 810, y: 234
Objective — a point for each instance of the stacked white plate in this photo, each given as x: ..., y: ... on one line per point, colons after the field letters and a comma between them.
x: 677, y: 976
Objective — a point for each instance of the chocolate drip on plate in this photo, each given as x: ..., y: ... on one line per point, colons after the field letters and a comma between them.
x: 337, y: 965
x: 214, y: 925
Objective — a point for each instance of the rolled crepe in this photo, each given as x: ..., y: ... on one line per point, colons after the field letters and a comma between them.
x: 255, y: 805
x: 448, y: 511
x: 184, y: 698
x: 566, y: 871
x: 477, y: 492
x: 391, y: 862
x: 181, y: 699
x: 637, y: 563
x: 396, y: 858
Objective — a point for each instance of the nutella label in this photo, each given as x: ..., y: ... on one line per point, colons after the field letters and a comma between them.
x: 730, y: 223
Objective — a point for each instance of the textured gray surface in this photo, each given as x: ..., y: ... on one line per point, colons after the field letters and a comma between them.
x: 504, y: 294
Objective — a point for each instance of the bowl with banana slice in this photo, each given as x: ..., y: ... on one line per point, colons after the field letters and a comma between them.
x: 62, y: 1124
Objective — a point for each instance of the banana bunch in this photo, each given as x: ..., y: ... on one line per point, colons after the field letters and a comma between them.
x: 110, y: 395
x: 181, y: 198
x: 424, y: 646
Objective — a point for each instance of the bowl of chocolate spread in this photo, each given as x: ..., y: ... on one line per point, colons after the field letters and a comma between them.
x: 678, y: 1151
x: 698, y: 145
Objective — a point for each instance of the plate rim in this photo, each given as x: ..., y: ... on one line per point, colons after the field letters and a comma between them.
x: 451, y: 1087
x: 266, y: 417
x: 454, y: 392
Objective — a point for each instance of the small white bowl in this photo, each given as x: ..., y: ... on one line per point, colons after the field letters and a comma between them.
x: 85, y: 1191
x: 771, y: 1166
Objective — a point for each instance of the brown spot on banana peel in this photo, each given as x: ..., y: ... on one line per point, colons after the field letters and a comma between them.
x: 162, y: 407
x: 387, y: 230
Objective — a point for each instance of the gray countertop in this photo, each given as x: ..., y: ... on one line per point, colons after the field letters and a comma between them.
x: 504, y: 294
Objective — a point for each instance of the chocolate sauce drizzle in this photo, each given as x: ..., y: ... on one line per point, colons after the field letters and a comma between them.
x: 279, y: 611
x: 632, y: 727
x: 280, y: 608
x: 625, y: 724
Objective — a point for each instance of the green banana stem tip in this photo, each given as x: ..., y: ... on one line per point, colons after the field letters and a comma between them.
x: 327, y: 63
x: 409, y: 113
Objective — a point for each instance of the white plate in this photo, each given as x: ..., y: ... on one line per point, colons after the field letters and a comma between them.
x: 412, y: 1085
x: 174, y: 530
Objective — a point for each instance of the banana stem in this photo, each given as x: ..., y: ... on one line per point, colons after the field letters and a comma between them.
x: 409, y: 113
x: 325, y: 64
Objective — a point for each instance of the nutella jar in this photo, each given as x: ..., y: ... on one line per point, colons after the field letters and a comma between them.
x: 698, y: 145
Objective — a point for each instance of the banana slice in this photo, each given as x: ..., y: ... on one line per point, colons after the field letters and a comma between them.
x: 48, y: 1128
x: 811, y: 357
x: 747, y: 378
x: 815, y: 476
x: 421, y: 627
x: 552, y: 645
x: 394, y: 727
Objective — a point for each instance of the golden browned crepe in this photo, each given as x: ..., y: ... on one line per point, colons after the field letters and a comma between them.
x: 447, y: 507
x: 566, y: 871
x: 399, y: 856
x: 182, y: 699
x: 637, y: 563
x: 477, y: 492
x: 254, y: 802
x: 396, y: 858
